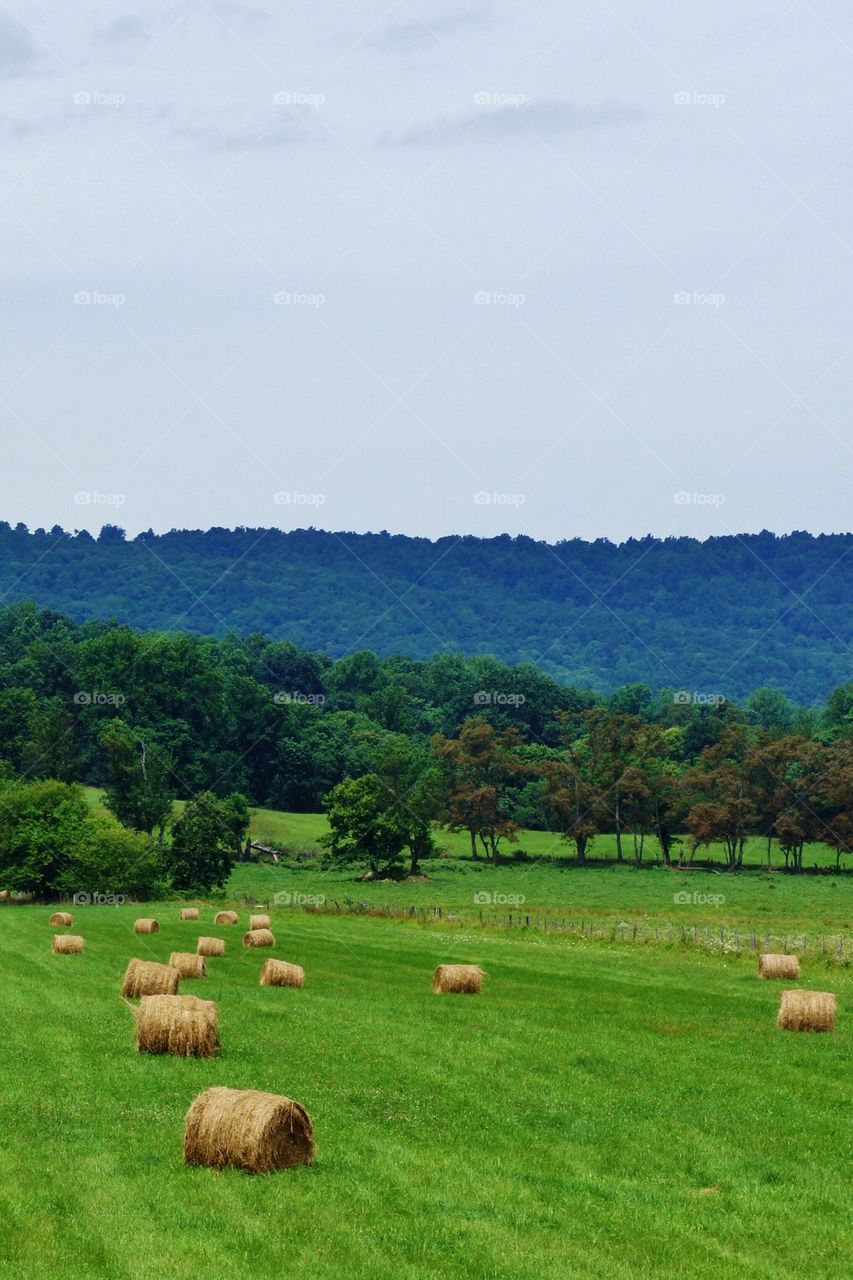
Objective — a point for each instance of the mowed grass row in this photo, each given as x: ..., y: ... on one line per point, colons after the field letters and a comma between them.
x: 597, y: 1111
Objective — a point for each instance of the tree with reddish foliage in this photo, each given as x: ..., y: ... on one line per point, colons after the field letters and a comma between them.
x: 483, y: 766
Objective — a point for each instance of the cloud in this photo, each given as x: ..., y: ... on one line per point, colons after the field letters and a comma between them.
x: 418, y: 35
x: 16, y: 49
x: 241, y: 130
x: 494, y: 121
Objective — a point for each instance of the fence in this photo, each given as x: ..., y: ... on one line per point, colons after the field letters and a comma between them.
x: 726, y: 939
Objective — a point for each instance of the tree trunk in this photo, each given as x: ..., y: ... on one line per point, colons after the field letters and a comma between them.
x: 617, y: 818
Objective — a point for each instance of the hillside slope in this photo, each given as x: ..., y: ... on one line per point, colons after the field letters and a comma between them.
x: 723, y: 616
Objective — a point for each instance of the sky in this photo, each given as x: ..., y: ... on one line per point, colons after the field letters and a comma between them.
x: 562, y: 270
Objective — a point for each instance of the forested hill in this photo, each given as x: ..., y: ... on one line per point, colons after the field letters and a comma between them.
x: 723, y: 616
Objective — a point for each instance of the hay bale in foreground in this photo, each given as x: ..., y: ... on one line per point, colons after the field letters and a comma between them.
x: 183, y: 1025
x: 146, y: 978
x: 189, y: 913
x: 226, y: 917
x: 259, y: 922
x: 210, y: 947
x: 461, y: 979
x: 67, y: 944
x: 258, y: 938
x: 278, y: 973
x: 806, y: 1011
x: 188, y: 965
x: 146, y: 925
x: 61, y: 917
x: 778, y: 966
x: 254, y: 1131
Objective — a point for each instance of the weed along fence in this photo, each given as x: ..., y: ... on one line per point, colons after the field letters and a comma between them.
x: 722, y: 939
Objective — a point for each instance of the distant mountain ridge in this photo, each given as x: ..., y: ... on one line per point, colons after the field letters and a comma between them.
x: 724, y: 616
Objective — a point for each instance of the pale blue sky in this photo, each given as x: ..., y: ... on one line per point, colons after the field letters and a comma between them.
x: 651, y: 203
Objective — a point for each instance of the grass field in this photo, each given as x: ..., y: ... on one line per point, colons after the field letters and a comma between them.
x: 597, y: 1112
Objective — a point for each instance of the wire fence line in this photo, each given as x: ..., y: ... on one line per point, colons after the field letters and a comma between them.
x: 834, y: 948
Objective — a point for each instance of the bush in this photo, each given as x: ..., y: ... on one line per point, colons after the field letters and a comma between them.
x: 110, y: 859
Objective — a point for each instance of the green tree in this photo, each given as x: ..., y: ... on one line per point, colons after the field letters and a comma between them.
x: 42, y: 829
x: 363, y: 826
x: 141, y: 787
x: 201, y: 853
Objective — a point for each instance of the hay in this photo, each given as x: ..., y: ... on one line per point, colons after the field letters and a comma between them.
x: 255, y: 1131
x: 226, y: 917
x: 210, y: 947
x: 778, y: 966
x: 61, y: 917
x: 189, y: 913
x: 183, y: 1025
x: 258, y: 938
x: 806, y: 1011
x: 67, y: 944
x: 463, y: 979
x: 5, y: 895
x: 278, y: 973
x: 188, y: 965
x: 145, y: 978
x: 259, y: 922
x: 146, y: 925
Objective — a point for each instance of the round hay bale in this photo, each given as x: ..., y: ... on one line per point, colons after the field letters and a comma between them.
x: 183, y: 1025
x: 5, y: 895
x: 458, y: 979
x: 255, y: 1131
x: 145, y: 978
x: 61, y: 917
x: 806, y: 1011
x: 259, y: 922
x: 210, y: 947
x: 258, y: 938
x: 188, y: 965
x: 278, y: 973
x: 146, y: 925
x: 226, y: 917
x: 67, y: 944
x: 189, y: 913
x: 778, y: 966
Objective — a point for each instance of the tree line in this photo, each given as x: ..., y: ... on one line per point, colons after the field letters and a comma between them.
x: 729, y: 614
x: 390, y: 747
